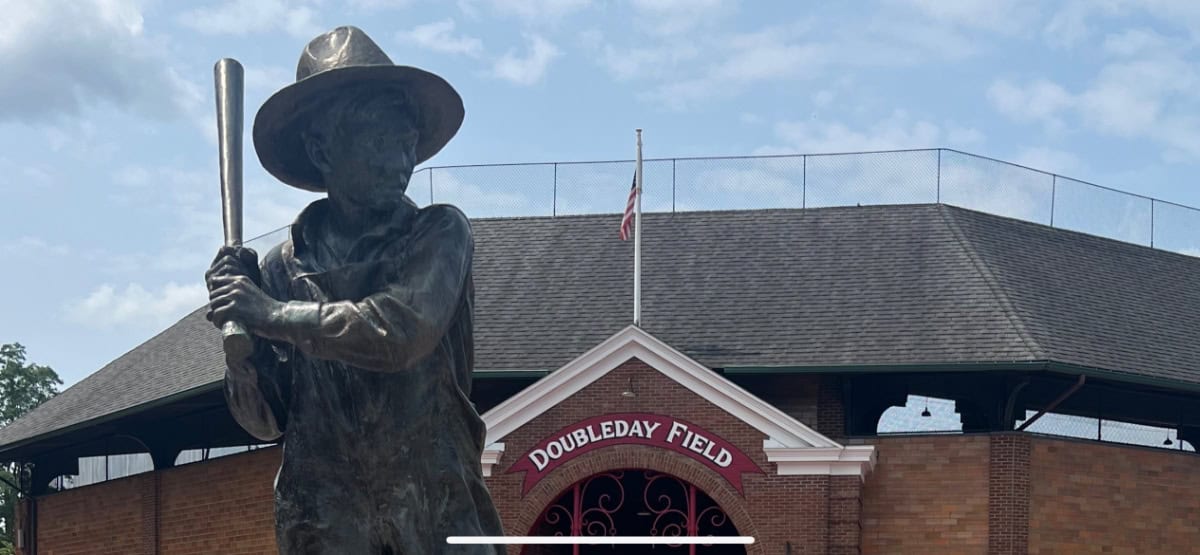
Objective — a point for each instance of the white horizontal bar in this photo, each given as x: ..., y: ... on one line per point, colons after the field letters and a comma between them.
x: 602, y: 540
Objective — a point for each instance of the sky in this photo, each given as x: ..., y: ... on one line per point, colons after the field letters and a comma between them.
x: 109, y: 193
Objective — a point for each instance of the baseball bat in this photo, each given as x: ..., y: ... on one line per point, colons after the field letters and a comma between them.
x: 228, y: 76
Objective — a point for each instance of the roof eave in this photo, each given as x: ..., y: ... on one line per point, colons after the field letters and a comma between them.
x: 979, y: 366
x: 6, y: 449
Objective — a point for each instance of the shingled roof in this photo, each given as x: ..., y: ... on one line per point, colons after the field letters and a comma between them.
x: 830, y: 287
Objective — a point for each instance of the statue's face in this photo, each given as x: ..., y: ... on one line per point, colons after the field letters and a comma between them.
x: 366, y: 150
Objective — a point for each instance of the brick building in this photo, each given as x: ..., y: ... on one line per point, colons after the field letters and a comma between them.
x: 749, y: 401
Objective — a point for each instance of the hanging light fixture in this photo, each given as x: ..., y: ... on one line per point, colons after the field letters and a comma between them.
x: 925, y: 413
x: 628, y: 393
x: 1168, y: 441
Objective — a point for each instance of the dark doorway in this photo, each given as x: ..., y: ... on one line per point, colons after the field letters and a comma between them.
x: 634, y: 503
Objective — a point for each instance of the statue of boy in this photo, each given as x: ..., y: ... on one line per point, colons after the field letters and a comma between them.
x: 362, y: 319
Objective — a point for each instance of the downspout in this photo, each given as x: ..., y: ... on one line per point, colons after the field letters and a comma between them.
x: 1054, y: 405
x: 31, y: 526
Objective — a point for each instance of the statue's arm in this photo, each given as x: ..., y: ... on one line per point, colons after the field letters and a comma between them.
x: 390, y: 329
x: 257, y: 388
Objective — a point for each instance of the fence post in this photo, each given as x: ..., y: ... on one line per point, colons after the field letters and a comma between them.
x: 672, y: 185
x: 803, y: 181
x: 554, y: 195
x: 1053, y: 194
x: 1151, y: 223
x: 430, y: 185
x: 939, y: 176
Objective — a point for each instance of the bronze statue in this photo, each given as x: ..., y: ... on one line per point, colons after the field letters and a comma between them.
x: 361, y: 321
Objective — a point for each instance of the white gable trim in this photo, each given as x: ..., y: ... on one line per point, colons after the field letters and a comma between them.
x: 852, y: 460
x: 783, y: 431
x: 491, y: 457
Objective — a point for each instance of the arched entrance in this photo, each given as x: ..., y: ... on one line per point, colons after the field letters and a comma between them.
x: 634, y: 502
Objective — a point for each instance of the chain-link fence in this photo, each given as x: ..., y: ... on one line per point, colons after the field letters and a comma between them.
x: 814, y: 180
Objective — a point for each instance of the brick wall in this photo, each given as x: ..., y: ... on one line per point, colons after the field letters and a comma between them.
x: 220, y: 506
x: 831, y: 413
x: 223, y: 506
x: 1096, y: 498
x: 845, y: 515
x: 794, y: 394
x: 928, y: 494
x: 102, y: 519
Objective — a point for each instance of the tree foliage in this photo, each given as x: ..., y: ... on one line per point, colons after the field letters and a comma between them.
x: 23, y: 386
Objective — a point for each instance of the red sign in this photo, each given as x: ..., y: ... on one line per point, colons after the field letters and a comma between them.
x: 636, y: 429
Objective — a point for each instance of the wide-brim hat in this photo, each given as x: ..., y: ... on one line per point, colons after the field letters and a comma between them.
x: 343, y: 59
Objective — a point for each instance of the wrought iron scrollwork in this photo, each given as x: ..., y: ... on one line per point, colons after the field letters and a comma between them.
x: 667, y: 507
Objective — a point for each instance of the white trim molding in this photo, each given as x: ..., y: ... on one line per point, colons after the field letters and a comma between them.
x: 850, y: 460
x: 788, y: 436
x: 491, y: 457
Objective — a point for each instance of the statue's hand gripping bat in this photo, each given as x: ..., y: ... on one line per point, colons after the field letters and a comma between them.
x: 228, y: 77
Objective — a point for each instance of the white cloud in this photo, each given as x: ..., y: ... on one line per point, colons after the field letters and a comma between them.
x: 478, y: 201
x: 686, y: 70
x: 1039, y: 101
x: 439, y: 36
x: 771, y: 54
x: 625, y: 64
x: 27, y: 174
x: 1128, y: 97
x: 1132, y: 42
x: 963, y: 137
x: 750, y: 118
x: 32, y: 246
x: 823, y: 98
x: 373, y: 5
x: 263, y: 80
x: 529, y: 68
x: 241, y: 17
x: 1004, y: 16
x: 105, y: 58
x: 1143, y: 90
x: 271, y: 205
x: 1048, y: 159
x: 108, y: 307
x: 673, y: 17
x: 529, y: 10
x: 897, y: 131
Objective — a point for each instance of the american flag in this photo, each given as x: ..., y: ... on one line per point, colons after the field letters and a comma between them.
x: 627, y: 220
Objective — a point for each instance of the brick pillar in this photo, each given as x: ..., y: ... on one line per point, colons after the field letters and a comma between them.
x: 1008, y: 494
x: 845, y: 515
x: 831, y: 413
x: 148, y: 488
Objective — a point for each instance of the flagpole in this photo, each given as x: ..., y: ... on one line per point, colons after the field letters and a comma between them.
x: 637, y: 237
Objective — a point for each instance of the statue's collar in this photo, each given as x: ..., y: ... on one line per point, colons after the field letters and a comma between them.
x: 314, y: 218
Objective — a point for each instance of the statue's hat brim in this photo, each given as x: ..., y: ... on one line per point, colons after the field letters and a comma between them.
x: 283, y: 118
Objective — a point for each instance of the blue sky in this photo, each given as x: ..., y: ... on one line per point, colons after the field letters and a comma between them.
x: 108, y: 176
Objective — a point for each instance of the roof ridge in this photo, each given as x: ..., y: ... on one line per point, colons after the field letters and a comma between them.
x: 985, y: 272
x: 1079, y: 233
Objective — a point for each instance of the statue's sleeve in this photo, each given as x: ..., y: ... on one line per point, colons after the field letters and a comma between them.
x: 391, y: 329
x: 257, y: 389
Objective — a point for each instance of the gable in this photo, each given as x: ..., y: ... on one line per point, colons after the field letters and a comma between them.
x: 634, y: 373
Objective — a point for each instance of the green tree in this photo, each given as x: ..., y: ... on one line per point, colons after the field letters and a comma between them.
x: 23, y: 386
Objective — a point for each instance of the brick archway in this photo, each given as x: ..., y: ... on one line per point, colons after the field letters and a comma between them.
x: 644, y: 457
